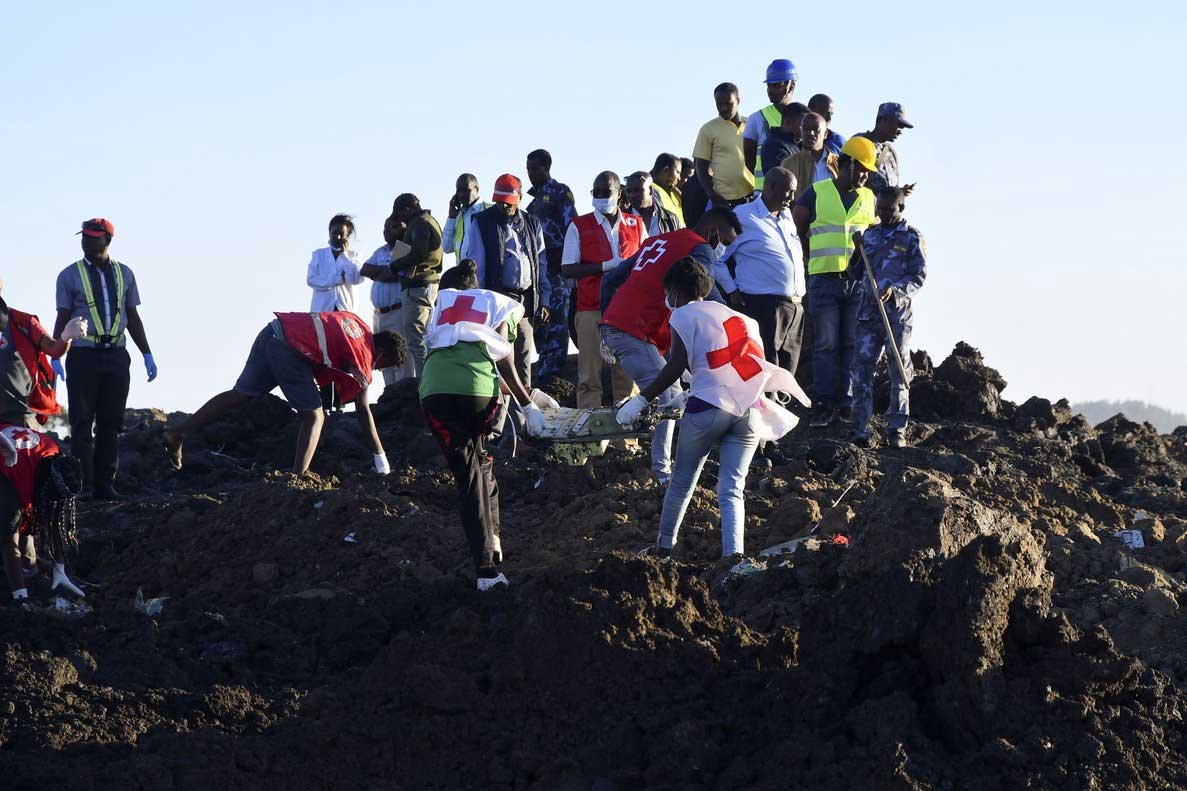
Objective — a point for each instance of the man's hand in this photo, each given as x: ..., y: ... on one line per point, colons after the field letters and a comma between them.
x: 542, y: 315
x: 75, y: 329
x: 150, y: 367
x: 736, y: 300
x: 887, y: 293
x: 455, y: 207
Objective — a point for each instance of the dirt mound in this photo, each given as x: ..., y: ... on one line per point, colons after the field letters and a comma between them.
x: 971, y: 614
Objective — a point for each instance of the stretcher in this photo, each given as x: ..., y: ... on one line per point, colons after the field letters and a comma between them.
x: 579, y: 434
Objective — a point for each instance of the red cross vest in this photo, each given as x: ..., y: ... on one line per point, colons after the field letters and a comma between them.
x: 472, y: 316
x: 638, y: 307
x: 43, y: 399
x: 595, y: 249
x: 31, y: 448
x: 725, y: 357
x: 338, y: 344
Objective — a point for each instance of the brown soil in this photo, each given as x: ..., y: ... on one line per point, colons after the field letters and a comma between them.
x: 983, y: 628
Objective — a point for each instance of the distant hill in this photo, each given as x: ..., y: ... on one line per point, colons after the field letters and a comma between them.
x: 1164, y: 420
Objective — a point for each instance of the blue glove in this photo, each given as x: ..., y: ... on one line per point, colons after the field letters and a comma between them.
x: 59, y: 370
x: 150, y: 366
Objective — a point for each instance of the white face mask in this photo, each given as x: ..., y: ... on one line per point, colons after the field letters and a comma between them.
x: 668, y: 302
x: 605, y: 205
x: 719, y: 251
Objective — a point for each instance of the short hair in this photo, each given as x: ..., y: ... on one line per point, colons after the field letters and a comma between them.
x: 406, y: 200
x: 610, y: 176
x: 723, y: 218
x: 817, y: 116
x: 780, y: 172
x: 898, y: 193
x: 468, y: 178
x: 664, y: 161
x: 342, y: 219
x: 639, y: 175
x: 687, y: 164
x: 726, y: 87
x: 795, y: 108
x: 819, y: 99
x: 463, y: 276
x: 689, y: 276
x: 392, y: 346
x: 542, y: 156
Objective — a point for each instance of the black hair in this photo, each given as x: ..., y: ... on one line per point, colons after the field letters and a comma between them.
x: 639, y: 175
x: 819, y: 100
x: 723, y: 218
x: 462, y: 277
x: 405, y: 200
x: 665, y: 161
x: 898, y: 193
x: 391, y: 346
x: 540, y: 155
x: 726, y: 87
x: 468, y: 178
x: 795, y: 108
x: 612, y: 177
x: 688, y: 164
x: 342, y: 219
x: 689, y: 277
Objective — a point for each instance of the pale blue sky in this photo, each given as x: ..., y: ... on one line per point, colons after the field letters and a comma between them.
x: 220, y: 137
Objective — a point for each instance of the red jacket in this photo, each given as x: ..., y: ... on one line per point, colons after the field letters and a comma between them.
x: 337, y: 343
x: 595, y: 249
x: 32, y: 447
x: 638, y: 307
x: 27, y: 334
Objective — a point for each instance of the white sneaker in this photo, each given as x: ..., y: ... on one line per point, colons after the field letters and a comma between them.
x: 63, y: 582
x: 486, y: 583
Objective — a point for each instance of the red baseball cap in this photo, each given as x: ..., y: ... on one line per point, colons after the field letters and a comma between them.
x: 97, y: 227
x: 507, y: 189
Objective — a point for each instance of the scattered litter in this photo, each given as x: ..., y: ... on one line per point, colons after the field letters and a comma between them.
x: 405, y: 564
x: 1131, y: 538
x: 69, y: 609
x: 1139, y: 514
x: 1126, y: 562
x: 150, y: 607
x: 539, y: 481
x: 351, y: 538
x: 747, y: 567
x: 319, y: 503
x: 839, y: 540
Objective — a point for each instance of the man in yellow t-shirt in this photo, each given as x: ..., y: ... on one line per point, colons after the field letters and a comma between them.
x: 721, y: 167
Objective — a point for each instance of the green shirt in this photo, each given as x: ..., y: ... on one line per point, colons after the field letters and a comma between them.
x: 462, y: 369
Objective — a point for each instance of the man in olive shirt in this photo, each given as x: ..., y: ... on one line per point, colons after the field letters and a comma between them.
x: 721, y: 168
x: 419, y: 271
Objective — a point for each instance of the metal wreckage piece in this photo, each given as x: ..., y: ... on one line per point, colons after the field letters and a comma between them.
x: 579, y: 434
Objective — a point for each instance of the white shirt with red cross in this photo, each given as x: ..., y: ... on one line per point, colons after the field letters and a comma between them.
x: 474, y: 315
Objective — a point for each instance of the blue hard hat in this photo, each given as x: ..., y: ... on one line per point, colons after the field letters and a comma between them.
x: 781, y: 70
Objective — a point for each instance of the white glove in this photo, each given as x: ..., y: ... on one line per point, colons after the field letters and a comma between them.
x: 75, y: 329
x: 543, y: 400
x: 628, y: 413
x: 678, y: 401
x: 7, y: 450
x: 611, y: 264
x: 533, y: 419
x: 63, y: 582
x: 381, y: 465
x: 607, y: 354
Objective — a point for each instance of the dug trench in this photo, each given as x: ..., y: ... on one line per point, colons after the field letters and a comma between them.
x: 983, y: 627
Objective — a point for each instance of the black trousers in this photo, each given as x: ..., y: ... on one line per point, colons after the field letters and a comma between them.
x: 97, y: 391
x: 781, y: 324
x: 460, y: 424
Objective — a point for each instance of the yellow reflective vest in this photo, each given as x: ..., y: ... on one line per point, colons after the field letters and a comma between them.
x: 830, y: 237
x: 774, y: 118
x: 102, y: 334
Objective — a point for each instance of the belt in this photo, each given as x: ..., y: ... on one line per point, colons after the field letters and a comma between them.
x: 388, y: 309
x: 518, y: 296
x: 839, y: 275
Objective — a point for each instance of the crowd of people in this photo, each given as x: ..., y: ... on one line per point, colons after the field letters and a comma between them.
x: 778, y: 233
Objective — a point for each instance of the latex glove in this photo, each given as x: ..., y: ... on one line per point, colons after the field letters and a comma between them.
x: 150, y: 366
x: 543, y: 400
x: 628, y: 413
x: 607, y: 354
x: 611, y: 264
x: 533, y: 419
x: 63, y: 582
x: 59, y: 369
x: 381, y: 465
x: 7, y: 451
x: 75, y: 328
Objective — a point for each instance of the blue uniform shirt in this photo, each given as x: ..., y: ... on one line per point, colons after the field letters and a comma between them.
x: 553, y: 205
x: 383, y: 295
x: 898, y: 258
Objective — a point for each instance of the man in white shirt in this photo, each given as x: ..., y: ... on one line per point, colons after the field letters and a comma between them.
x: 385, y: 294
x: 768, y: 281
x: 334, y: 271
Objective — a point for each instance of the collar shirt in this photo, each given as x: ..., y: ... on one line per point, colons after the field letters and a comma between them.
x: 383, y: 295
x: 821, y: 171
x: 453, y: 235
x: 572, y: 251
x: 767, y: 254
x: 111, y: 306
x: 553, y: 205
x: 333, y: 280
x: 517, y: 274
x: 833, y: 141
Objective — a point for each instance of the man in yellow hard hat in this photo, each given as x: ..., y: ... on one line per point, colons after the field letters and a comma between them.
x: 826, y: 215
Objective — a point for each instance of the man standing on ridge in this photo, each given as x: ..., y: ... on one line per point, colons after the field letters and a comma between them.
x: 891, y: 122
x: 462, y: 206
x: 666, y: 177
x: 553, y: 205
x: 822, y: 105
x: 656, y: 218
x: 103, y: 291
x: 813, y: 162
x: 721, y: 167
x: 419, y: 271
x: 781, y: 79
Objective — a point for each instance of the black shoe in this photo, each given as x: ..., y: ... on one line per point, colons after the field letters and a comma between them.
x: 846, y: 413
x: 775, y: 455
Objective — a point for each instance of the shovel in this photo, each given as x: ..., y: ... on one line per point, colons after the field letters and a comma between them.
x: 890, y: 344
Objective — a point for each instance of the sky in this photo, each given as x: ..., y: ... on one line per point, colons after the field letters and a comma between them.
x: 220, y: 137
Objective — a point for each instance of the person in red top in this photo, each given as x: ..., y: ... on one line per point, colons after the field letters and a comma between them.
x: 27, y: 377
x: 300, y: 353
x: 596, y: 243
x: 635, y: 314
x: 38, y: 489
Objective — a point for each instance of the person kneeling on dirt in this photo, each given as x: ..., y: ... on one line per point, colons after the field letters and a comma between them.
x: 722, y: 349
x: 470, y: 341
x: 301, y: 353
x: 38, y: 490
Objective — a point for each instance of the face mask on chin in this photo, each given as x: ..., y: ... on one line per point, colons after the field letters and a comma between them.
x: 668, y: 302
x: 605, y: 205
x: 719, y: 250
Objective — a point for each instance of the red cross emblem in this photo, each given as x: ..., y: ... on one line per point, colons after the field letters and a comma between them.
x: 22, y: 438
x: 462, y: 310
x: 739, y: 351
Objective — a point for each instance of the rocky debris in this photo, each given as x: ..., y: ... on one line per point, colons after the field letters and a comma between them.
x: 998, y: 606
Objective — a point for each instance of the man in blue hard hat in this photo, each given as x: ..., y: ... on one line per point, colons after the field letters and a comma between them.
x: 781, y: 77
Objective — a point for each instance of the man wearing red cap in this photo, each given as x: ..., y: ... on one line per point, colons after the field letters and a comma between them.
x: 102, y: 291
x: 508, y: 247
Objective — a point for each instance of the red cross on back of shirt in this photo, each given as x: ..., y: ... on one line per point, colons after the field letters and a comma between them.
x: 20, y: 435
x: 462, y: 310
x: 740, y: 350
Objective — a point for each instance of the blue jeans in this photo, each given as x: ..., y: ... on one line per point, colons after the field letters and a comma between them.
x: 642, y: 362
x: 833, y: 303
x: 699, y: 432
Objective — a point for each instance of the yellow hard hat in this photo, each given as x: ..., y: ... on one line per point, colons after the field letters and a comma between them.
x: 863, y: 150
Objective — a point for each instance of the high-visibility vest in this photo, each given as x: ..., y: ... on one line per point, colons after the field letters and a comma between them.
x: 98, y: 328
x: 463, y: 218
x: 774, y: 118
x: 830, y: 236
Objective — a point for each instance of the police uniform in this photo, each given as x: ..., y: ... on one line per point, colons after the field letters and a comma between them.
x: 553, y: 205
x: 898, y: 259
